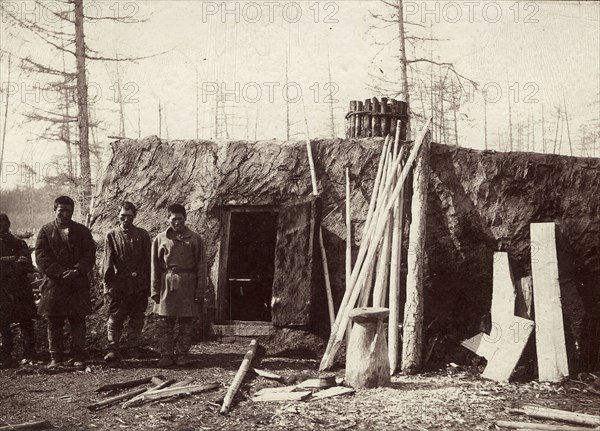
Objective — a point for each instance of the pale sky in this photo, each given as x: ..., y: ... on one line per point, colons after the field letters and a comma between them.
x: 538, y: 50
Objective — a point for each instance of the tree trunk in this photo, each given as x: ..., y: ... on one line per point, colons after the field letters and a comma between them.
x: 5, y: 117
x: 82, y: 102
x: 403, y: 62
x: 413, y: 310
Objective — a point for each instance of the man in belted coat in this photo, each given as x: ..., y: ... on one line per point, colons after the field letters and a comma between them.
x: 65, y: 253
x: 178, y: 284
x: 126, y: 275
x: 16, y: 297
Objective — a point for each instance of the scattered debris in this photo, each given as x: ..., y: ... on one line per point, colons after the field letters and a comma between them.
x: 123, y: 397
x: 239, y: 377
x: 138, y: 398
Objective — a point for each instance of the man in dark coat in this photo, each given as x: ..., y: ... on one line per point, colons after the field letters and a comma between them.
x: 16, y: 297
x: 65, y: 253
x: 178, y: 286
x: 126, y: 275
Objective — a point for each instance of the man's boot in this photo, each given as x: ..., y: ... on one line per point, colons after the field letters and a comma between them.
x: 134, y: 332
x: 113, y: 332
x: 28, y: 334
x: 6, y: 359
x: 78, y: 329
x: 166, y: 326
x: 184, y: 341
x: 55, y: 340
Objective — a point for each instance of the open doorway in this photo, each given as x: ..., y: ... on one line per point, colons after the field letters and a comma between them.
x: 250, y: 264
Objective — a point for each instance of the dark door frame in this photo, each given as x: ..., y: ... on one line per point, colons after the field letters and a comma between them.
x: 222, y: 282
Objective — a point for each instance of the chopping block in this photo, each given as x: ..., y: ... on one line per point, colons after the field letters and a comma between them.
x: 367, y: 362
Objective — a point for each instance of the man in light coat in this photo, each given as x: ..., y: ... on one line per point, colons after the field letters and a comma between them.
x: 178, y: 283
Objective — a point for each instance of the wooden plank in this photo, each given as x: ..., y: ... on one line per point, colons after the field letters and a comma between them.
x: 514, y: 337
x: 223, y: 259
x: 524, y: 305
x: 310, y: 384
x: 295, y: 252
x: 541, y: 412
x: 503, y: 293
x: 482, y: 345
x: 352, y: 120
x: 283, y: 396
x: 267, y: 374
x: 332, y: 392
x: 278, y: 390
x: 550, y: 334
x: 243, y: 330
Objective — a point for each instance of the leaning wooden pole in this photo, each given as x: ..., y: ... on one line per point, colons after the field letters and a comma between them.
x: 239, y: 377
x: 348, y: 243
x: 359, y: 272
x: 396, y: 261
x: 412, y: 337
x: 315, y: 191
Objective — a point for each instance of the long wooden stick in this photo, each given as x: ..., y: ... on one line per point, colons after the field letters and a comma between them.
x: 358, y: 274
x: 311, y: 163
x: 127, y: 384
x: 348, y: 245
x: 538, y: 426
x: 348, y: 230
x: 138, y: 399
x: 40, y: 425
x: 239, y: 377
x: 396, y: 261
x: 326, y: 276
x: 170, y: 392
x: 315, y: 191
x: 561, y: 415
x: 122, y: 397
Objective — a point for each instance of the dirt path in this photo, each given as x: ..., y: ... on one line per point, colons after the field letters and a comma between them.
x: 445, y: 400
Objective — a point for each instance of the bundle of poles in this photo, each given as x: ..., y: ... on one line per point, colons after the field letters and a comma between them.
x: 377, y: 264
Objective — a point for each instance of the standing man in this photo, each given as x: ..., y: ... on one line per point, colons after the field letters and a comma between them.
x: 16, y: 298
x: 178, y: 285
x: 65, y: 253
x: 126, y: 275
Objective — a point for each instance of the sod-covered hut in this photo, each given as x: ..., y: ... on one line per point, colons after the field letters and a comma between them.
x: 252, y: 203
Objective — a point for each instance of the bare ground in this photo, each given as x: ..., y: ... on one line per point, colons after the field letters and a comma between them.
x: 449, y: 399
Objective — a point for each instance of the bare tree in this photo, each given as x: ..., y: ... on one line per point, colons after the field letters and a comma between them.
x: 72, y: 43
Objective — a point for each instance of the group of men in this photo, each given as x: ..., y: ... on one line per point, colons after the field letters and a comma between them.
x: 171, y: 270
